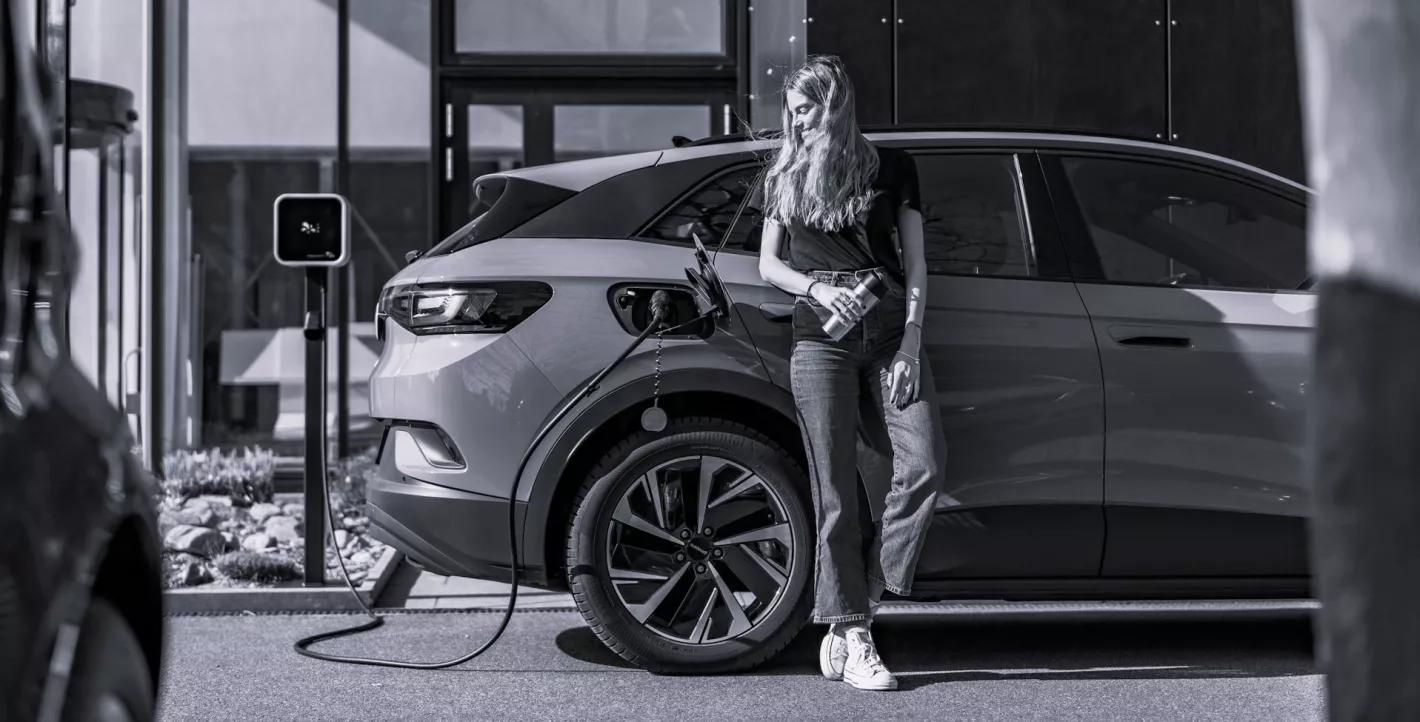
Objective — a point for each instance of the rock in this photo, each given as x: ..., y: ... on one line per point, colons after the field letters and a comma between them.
x: 196, y: 502
x: 194, y: 574
x: 216, y: 501
x: 342, y: 538
x: 169, y: 519
x: 206, y: 517
x: 362, y: 558
x: 283, y: 528
x: 231, y: 541
x: 195, y: 539
x: 357, y: 577
x: 259, y: 512
x: 258, y: 542
x: 293, y: 510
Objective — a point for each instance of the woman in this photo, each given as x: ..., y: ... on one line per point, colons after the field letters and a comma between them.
x: 837, y: 201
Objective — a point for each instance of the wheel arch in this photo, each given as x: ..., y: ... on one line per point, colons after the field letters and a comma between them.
x: 128, y: 579
x: 748, y: 400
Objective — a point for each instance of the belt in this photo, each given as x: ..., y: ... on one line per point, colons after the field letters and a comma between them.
x: 845, y: 278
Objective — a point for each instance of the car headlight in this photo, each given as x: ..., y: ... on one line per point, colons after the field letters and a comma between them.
x: 465, y: 307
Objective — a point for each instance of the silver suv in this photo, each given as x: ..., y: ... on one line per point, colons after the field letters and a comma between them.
x: 1120, y: 332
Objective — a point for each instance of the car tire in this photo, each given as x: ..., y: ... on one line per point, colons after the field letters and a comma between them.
x: 109, y: 679
x: 733, y: 452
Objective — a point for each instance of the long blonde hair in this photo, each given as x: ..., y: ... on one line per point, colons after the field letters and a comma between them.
x: 828, y: 182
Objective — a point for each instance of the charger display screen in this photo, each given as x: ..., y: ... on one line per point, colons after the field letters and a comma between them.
x: 310, y: 230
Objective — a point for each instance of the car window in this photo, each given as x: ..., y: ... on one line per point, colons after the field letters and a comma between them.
x: 972, y: 215
x: 708, y: 210
x: 1169, y: 225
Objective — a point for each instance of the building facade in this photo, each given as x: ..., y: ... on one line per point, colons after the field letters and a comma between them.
x: 183, y: 317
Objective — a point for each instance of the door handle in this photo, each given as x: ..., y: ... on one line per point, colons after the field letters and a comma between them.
x: 129, y: 400
x: 1157, y: 341
x: 1155, y: 336
x: 777, y: 312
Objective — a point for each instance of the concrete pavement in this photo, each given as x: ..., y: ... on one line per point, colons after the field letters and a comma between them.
x: 550, y: 666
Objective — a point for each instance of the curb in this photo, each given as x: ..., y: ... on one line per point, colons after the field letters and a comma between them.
x: 335, y: 598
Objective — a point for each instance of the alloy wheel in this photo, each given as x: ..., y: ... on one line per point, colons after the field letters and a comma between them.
x: 699, y: 549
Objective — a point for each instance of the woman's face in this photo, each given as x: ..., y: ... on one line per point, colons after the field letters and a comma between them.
x: 805, y: 116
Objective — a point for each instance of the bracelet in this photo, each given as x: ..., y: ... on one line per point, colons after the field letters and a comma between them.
x: 808, y: 291
x: 909, y: 357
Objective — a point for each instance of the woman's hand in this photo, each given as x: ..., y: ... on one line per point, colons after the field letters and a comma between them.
x: 906, y: 371
x: 838, y: 299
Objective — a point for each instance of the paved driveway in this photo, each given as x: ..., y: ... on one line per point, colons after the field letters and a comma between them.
x: 1035, y: 666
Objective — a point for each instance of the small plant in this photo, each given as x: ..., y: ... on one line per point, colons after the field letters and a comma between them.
x: 245, y: 478
x: 257, y: 567
x: 348, y: 478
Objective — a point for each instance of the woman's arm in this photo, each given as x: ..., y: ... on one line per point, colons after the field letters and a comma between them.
x: 906, y: 365
x: 914, y: 260
x: 781, y: 276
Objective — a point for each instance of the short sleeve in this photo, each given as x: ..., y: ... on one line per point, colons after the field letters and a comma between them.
x: 908, y: 193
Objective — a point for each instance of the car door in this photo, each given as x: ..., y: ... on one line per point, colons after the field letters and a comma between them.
x: 1192, y: 277
x: 1011, y: 350
x: 1017, y: 375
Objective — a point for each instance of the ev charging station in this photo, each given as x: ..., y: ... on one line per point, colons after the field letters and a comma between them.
x: 312, y: 231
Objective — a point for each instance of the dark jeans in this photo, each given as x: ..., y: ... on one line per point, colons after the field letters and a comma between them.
x: 831, y: 381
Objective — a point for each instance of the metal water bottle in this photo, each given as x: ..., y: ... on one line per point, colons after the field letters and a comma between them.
x: 867, y: 292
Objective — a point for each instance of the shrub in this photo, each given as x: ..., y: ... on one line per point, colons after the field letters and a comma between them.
x: 348, y: 478
x: 245, y: 478
x: 257, y: 567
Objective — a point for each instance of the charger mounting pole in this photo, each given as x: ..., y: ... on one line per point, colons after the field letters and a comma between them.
x: 312, y: 231
x: 317, y: 280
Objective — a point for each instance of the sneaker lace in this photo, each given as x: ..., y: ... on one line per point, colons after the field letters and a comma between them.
x: 867, y: 653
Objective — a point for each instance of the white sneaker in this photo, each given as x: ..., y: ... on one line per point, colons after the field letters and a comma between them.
x: 832, y: 653
x: 863, y: 668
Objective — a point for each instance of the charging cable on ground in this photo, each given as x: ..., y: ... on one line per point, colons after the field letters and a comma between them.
x: 660, y: 309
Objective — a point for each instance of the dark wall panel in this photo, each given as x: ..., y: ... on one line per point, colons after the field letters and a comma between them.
x: 854, y: 31
x: 1093, y: 64
x: 1235, y: 82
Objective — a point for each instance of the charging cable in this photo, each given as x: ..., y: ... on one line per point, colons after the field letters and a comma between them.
x: 660, y: 309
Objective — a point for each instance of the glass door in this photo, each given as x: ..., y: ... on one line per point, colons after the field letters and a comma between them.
x: 488, y: 130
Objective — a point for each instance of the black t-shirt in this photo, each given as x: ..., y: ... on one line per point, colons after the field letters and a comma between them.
x: 868, y: 241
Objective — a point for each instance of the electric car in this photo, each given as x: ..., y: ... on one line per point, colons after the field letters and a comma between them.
x: 1119, y: 332
x: 81, y: 627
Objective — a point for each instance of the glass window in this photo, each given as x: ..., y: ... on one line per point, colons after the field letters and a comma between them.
x: 390, y: 156
x: 1167, y: 225
x: 589, y: 131
x: 261, y: 103
x: 776, y: 46
x: 495, y: 139
x: 972, y: 216
x: 708, y: 211
x: 557, y: 27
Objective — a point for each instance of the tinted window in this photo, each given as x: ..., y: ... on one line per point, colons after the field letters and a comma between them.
x: 1167, y: 225
x: 972, y: 216
x: 501, y: 204
x: 708, y: 211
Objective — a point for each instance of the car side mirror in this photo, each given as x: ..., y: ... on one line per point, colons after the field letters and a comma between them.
x: 412, y: 256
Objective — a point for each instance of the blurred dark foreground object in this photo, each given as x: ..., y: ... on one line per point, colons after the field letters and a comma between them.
x: 1366, y: 532
x: 1362, y: 99
x: 81, y: 626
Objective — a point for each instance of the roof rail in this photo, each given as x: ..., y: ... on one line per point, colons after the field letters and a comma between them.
x: 930, y: 127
